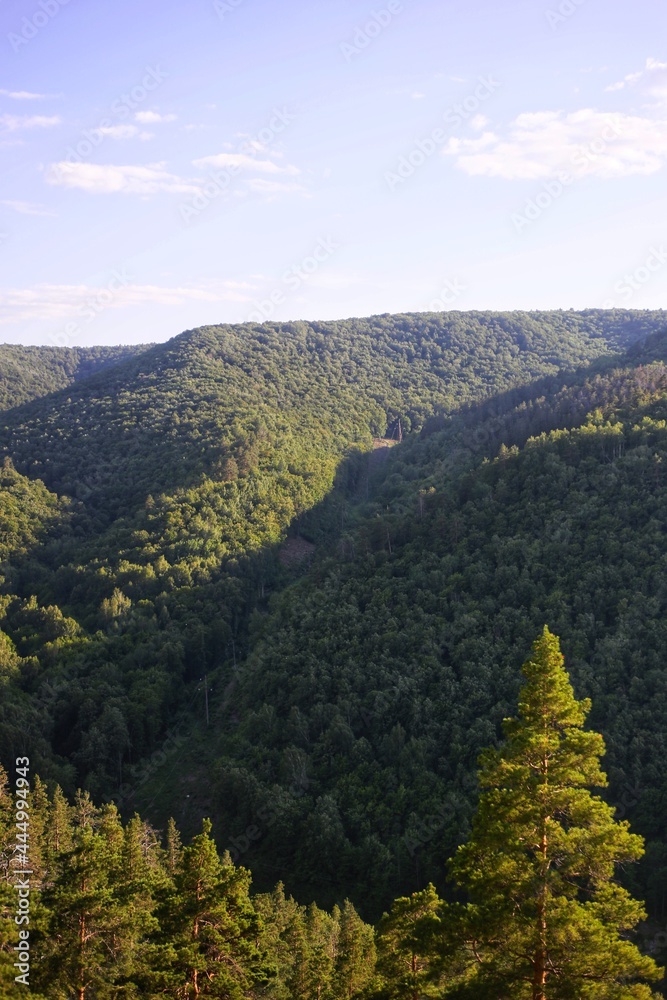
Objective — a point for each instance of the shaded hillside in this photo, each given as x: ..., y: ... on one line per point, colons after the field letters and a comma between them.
x: 374, y: 683
x: 186, y: 466
x: 179, y: 410
x: 28, y: 373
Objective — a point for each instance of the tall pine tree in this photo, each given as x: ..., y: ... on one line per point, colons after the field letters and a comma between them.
x: 548, y: 920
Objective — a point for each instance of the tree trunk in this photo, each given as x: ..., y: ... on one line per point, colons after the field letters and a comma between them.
x: 540, y: 959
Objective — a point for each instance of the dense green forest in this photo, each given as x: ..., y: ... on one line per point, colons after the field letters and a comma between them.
x: 96, y: 910
x: 30, y: 372
x: 217, y: 598
x: 178, y: 473
x: 434, y: 588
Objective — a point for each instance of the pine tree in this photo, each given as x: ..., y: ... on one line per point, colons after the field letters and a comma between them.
x: 174, y: 848
x: 212, y: 926
x: 82, y: 948
x: 408, y: 964
x: 548, y: 920
x: 59, y: 830
x: 355, y: 953
x: 138, y: 884
x: 322, y: 933
x: 283, y: 936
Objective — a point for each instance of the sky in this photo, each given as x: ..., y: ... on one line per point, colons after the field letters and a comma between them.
x: 170, y: 165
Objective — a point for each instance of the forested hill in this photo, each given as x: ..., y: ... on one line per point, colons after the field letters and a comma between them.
x: 374, y: 682
x: 181, y: 410
x: 30, y: 372
x: 144, y: 510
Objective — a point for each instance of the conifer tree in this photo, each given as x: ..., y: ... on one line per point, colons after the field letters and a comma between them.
x: 141, y: 879
x: 408, y: 964
x: 40, y: 810
x: 59, y: 829
x: 82, y: 947
x: 322, y: 933
x: 283, y: 936
x: 355, y: 953
x: 174, y: 847
x: 548, y: 919
x: 213, y: 928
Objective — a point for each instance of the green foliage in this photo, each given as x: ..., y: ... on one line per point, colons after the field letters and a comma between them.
x: 349, y: 695
x: 548, y: 919
x: 27, y: 373
x: 119, y: 911
x: 114, y: 913
x: 409, y: 940
x: 402, y: 641
x: 186, y: 466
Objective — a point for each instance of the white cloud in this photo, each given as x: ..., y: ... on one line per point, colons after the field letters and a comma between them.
x: 59, y: 303
x: 110, y: 179
x: 118, y: 131
x: 152, y: 117
x: 586, y: 142
x: 261, y: 186
x: 14, y: 123
x: 479, y: 122
x: 26, y: 95
x: 241, y: 161
x: 254, y: 145
x: 652, y: 78
x: 123, y: 132
x: 25, y: 207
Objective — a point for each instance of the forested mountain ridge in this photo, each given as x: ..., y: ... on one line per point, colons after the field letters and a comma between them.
x: 208, y: 394
x: 351, y: 711
x: 30, y: 372
x: 434, y: 585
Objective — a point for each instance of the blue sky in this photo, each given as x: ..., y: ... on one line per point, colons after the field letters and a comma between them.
x: 167, y: 165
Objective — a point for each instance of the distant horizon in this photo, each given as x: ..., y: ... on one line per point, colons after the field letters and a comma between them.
x: 340, y: 319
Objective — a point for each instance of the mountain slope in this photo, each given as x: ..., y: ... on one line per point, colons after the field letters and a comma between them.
x: 178, y: 410
x: 27, y: 373
x: 374, y: 682
x: 186, y: 466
